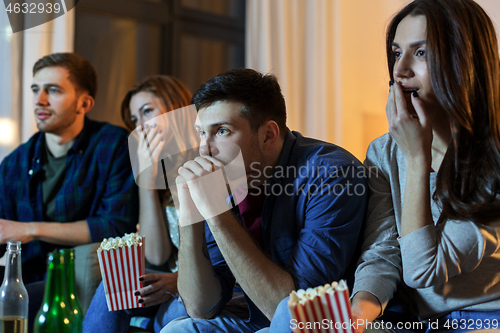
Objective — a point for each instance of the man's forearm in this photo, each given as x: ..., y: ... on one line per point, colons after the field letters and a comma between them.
x: 68, y: 233
x: 197, y: 283
x: 262, y: 280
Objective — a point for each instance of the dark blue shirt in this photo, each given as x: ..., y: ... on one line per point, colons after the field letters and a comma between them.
x: 311, y: 219
x: 98, y: 187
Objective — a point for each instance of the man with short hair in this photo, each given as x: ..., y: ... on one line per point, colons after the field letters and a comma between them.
x: 297, y: 227
x: 72, y: 182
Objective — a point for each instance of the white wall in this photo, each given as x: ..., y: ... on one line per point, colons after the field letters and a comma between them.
x: 353, y: 113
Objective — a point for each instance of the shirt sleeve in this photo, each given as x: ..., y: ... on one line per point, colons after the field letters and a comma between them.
x: 434, y: 254
x: 335, y: 206
x: 379, y: 267
x: 117, y: 212
x: 221, y: 270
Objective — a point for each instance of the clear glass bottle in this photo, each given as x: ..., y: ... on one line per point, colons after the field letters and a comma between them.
x: 13, y: 294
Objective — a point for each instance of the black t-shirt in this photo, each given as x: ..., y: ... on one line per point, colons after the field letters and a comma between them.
x: 53, y: 180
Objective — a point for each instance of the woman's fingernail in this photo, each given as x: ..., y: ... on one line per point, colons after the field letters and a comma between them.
x: 414, y: 93
x: 154, y: 125
x: 137, y: 293
x: 146, y: 126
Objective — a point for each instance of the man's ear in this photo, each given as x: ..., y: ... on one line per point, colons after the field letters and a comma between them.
x: 270, y: 133
x: 87, y: 103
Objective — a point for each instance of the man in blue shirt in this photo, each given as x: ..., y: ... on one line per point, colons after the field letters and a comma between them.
x: 72, y: 182
x: 297, y: 227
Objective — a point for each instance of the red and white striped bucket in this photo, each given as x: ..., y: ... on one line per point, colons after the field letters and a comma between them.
x: 329, y: 312
x: 120, y: 270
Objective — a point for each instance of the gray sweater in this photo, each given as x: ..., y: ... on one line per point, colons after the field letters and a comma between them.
x: 451, y: 266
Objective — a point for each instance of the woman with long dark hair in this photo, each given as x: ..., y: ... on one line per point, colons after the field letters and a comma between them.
x: 434, y: 211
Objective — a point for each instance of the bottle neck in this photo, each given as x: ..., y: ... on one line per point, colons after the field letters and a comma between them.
x: 52, y: 279
x: 70, y: 274
x: 13, y: 272
x: 62, y: 282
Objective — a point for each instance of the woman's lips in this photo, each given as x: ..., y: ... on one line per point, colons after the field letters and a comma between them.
x: 408, y: 91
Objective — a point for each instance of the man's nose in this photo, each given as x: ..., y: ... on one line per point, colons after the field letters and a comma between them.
x: 208, y: 149
x: 41, y: 98
x: 204, y: 149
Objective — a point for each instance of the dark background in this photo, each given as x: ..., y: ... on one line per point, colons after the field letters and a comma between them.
x: 126, y: 40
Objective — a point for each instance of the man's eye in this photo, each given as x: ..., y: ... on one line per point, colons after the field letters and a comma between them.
x: 34, y: 90
x: 223, y: 131
x: 53, y: 90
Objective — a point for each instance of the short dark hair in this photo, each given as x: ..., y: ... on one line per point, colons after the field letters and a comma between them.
x: 259, y: 94
x: 81, y: 72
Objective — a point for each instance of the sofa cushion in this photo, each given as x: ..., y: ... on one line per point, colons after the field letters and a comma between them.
x: 87, y: 273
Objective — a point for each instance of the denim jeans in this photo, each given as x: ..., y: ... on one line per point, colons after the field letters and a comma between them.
x: 234, y: 317
x: 465, y: 321
x: 99, y: 319
x: 228, y: 322
x: 225, y: 322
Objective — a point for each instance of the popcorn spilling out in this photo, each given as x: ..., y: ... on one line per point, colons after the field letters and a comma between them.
x: 321, y: 309
x: 114, y: 243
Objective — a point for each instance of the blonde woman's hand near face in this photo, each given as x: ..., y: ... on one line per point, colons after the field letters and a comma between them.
x: 412, y: 134
x: 150, y: 145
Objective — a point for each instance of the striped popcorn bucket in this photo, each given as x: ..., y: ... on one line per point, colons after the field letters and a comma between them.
x: 120, y: 271
x: 323, y: 313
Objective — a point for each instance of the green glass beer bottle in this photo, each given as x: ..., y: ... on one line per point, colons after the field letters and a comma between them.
x: 54, y: 315
x: 74, y: 304
x: 13, y: 294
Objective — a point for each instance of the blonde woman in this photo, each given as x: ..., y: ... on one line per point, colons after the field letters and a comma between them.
x: 158, y: 219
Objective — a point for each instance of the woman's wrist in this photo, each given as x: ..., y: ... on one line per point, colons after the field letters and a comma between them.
x: 365, y: 309
x: 367, y: 304
x: 418, y: 165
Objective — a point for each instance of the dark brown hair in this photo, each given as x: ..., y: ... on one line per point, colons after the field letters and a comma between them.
x: 464, y: 67
x: 172, y: 92
x: 260, y: 95
x: 81, y: 72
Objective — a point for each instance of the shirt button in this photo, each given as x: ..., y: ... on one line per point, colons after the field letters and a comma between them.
x: 30, y: 172
x: 37, y: 161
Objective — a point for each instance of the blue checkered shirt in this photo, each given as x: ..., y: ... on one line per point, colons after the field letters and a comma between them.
x: 98, y: 187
